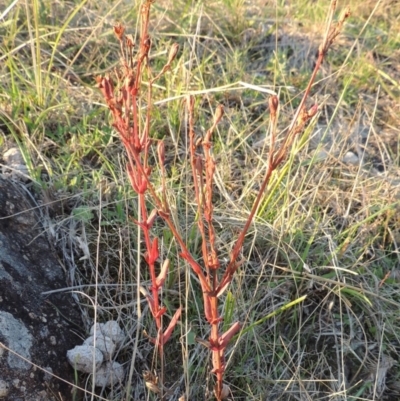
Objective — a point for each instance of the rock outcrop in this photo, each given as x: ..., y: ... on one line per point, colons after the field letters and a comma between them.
x: 35, y: 330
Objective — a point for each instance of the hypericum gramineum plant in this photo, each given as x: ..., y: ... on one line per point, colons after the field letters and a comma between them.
x: 123, y: 101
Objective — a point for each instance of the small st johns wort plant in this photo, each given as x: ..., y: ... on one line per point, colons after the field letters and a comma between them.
x: 122, y: 91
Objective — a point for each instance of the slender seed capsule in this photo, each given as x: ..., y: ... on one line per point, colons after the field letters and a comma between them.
x: 273, y: 103
x: 312, y: 111
x: 219, y: 112
x: 161, y: 153
x: 119, y: 30
x: 173, y: 51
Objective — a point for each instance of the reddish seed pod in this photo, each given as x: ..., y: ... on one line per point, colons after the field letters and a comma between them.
x: 163, y: 274
x: 99, y: 80
x: 151, y: 218
x: 190, y: 101
x: 218, y: 114
x: 273, y: 103
x: 345, y: 14
x: 119, y: 31
x: 161, y: 153
x: 227, y: 336
x: 199, y: 164
x: 312, y: 111
x: 146, y: 44
x: 129, y: 40
x: 171, y: 326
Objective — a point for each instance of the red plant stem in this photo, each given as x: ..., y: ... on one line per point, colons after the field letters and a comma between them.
x: 125, y: 110
x: 124, y: 107
x: 165, y: 215
x: 298, y: 122
x: 203, y: 187
x: 217, y: 354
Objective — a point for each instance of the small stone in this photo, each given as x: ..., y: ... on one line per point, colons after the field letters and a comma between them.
x: 14, y: 160
x: 83, y: 357
x: 3, y: 389
x: 109, y: 374
x: 350, y: 158
x: 48, y: 374
x: 13, y: 156
x: 110, y: 329
x: 98, y: 328
x: 226, y: 391
x: 19, y: 339
x: 103, y: 343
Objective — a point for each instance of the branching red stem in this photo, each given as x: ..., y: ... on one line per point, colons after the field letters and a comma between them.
x: 123, y: 103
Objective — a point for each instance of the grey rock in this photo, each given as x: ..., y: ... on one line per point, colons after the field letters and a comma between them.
x: 110, y: 329
x: 351, y: 158
x: 35, y: 331
x: 109, y: 374
x: 3, y: 388
x: 18, y: 338
x: 103, y: 343
x: 14, y: 160
x: 84, y: 357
